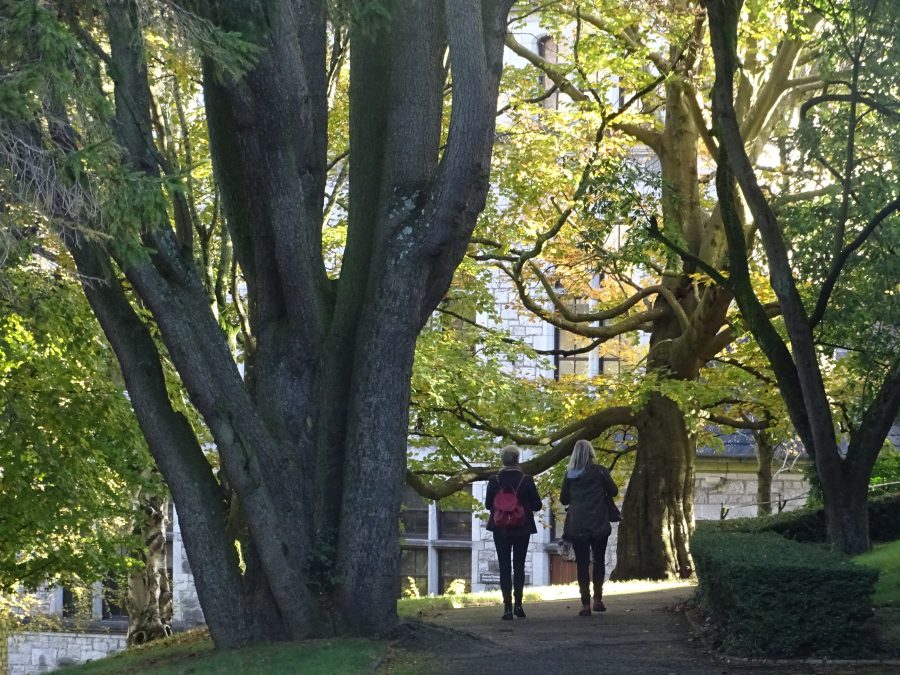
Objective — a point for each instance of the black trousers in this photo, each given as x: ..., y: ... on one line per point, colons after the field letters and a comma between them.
x: 511, y: 575
x: 583, y: 549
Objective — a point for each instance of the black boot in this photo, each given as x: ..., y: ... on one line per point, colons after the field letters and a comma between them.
x: 518, y: 611
x: 507, y: 612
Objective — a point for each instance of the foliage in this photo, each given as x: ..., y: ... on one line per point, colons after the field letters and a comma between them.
x: 768, y: 596
x: 72, y: 455
x: 808, y: 525
x: 886, y: 472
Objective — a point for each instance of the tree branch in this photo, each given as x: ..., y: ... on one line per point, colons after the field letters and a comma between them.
x: 556, y: 74
x: 840, y: 262
x: 589, y: 428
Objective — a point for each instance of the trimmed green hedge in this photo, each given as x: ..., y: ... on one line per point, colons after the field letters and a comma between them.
x: 769, y: 596
x: 808, y: 525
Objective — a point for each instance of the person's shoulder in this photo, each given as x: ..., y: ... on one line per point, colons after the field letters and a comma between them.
x: 599, y: 470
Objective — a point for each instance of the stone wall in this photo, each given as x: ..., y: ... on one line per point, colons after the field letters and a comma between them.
x: 733, y: 495
x: 186, y: 611
x: 29, y: 653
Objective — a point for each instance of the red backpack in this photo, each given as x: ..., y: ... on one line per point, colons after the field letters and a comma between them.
x: 508, y: 510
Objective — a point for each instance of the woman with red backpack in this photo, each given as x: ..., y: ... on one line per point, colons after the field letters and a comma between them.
x: 587, y: 491
x: 511, y: 499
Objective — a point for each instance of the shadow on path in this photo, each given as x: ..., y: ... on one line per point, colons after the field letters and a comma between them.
x: 641, y: 633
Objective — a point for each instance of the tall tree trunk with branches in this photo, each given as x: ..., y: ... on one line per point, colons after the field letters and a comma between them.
x: 311, y: 436
x: 687, y: 322
x: 844, y: 476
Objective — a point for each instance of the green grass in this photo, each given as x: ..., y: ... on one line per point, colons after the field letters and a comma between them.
x: 193, y: 653
x: 886, y: 599
x: 886, y: 559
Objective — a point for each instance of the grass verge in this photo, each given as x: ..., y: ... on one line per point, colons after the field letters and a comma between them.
x: 886, y: 559
x: 193, y: 653
x: 886, y: 599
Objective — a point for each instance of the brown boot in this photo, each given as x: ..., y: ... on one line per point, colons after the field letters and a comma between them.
x: 585, y: 610
x: 598, y: 604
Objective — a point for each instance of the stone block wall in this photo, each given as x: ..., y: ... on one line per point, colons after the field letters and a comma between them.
x: 186, y: 611
x: 29, y: 653
x: 733, y: 495
x: 522, y: 325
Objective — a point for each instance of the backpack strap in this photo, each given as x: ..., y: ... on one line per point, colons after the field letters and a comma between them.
x: 520, y: 483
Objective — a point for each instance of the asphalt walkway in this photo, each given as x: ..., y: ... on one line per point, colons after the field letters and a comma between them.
x: 642, y: 632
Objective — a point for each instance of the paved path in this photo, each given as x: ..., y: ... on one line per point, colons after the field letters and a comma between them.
x: 639, y: 634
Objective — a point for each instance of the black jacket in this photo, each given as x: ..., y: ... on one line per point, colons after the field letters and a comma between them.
x: 528, y: 496
x: 587, y: 515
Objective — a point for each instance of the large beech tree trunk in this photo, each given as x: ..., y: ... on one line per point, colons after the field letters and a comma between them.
x: 659, y: 503
x: 679, y: 349
x: 311, y: 439
x: 654, y: 537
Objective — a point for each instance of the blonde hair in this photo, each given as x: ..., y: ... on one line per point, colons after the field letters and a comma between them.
x: 509, y: 455
x: 582, y: 455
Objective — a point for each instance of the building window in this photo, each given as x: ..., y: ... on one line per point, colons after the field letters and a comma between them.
x: 455, y: 523
x: 113, y: 594
x: 70, y: 603
x: 454, y: 570
x: 413, y: 515
x: 413, y: 572
x: 610, y: 365
x: 567, y: 365
x: 557, y: 520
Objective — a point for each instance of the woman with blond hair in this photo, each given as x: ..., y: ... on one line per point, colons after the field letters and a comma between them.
x: 584, y: 491
x: 511, y: 499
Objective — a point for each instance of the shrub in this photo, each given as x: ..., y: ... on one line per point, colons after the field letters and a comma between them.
x: 769, y: 596
x: 808, y: 525
x: 886, y: 472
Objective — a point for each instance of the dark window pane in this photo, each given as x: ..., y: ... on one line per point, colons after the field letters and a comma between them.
x: 114, y: 587
x: 455, y: 523
x: 576, y: 364
x: 413, y: 515
x: 453, y: 565
x: 413, y: 572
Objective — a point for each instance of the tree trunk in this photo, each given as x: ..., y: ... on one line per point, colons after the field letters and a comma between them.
x: 659, y: 502
x: 847, y: 517
x: 311, y: 446
x: 765, y: 452
x: 844, y: 478
x: 149, y: 599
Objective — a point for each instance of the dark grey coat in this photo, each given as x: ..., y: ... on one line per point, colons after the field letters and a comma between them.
x: 587, y: 516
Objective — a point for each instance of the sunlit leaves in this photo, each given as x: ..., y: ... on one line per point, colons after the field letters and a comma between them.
x: 72, y: 454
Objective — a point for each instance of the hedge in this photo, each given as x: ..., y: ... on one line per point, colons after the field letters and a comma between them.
x: 808, y: 525
x: 769, y: 596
